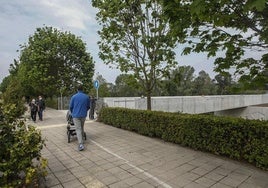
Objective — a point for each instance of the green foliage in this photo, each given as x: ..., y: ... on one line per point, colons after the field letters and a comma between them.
x: 227, y: 30
x: 203, y: 84
x: 127, y: 86
x: 52, y: 62
x: 4, y: 84
x: 13, y: 95
x: 183, y: 82
x: 105, y: 89
x: 20, y: 152
x: 233, y: 137
x: 224, y: 82
x: 52, y: 102
x: 136, y: 38
x: 180, y: 81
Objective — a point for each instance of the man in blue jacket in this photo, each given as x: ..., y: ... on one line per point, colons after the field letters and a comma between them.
x: 79, y: 105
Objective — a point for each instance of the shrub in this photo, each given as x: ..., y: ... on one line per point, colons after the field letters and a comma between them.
x: 236, y: 138
x: 52, y: 103
x: 13, y: 95
x: 20, y: 152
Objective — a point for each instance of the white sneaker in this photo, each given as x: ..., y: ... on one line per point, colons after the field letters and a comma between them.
x: 81, y: 147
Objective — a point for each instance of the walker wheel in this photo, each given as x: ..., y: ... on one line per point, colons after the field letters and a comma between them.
x: 69, y: 136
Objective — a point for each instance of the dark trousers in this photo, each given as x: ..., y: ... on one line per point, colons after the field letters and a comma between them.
x: 40, y: 114
x: 91, y: 113
x: 33, y: 115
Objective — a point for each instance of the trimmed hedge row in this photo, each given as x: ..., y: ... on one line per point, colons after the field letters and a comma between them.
x: 236, y: 138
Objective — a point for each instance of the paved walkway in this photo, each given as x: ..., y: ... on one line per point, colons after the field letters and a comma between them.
x: 117, y: 158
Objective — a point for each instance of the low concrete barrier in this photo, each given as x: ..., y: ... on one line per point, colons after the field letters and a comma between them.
x: 251, y: 112
x: 189, y: 104
x: 234, y: 105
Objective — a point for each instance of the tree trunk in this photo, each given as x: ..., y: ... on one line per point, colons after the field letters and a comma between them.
x: 149, y: 104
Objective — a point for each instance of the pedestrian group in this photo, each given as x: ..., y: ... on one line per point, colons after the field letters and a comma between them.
x: 37, y: 106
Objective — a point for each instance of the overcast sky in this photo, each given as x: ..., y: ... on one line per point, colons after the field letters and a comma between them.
x: 20, y: 18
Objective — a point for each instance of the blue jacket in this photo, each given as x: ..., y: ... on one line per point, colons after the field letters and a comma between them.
x: 79, y: 105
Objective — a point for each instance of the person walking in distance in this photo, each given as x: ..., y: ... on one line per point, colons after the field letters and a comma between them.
x: 92, y: 107
x: 41, y: 107
x: 33, y: 108
x: 79, y: 105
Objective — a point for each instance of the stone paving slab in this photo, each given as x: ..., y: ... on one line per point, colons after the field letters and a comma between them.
x: 118, y: 158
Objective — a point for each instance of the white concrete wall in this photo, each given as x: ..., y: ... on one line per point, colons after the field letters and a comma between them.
x: 251, y: 112
x: 189, y: 104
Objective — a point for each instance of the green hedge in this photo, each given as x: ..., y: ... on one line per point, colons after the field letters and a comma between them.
x: 52, y: 103
x: 236, y: 138
x: 21, y: 163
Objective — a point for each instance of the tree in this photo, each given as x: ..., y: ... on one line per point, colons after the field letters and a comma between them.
x: 179, y: 82
x: 224, y: 82
x: 136, y: 38
x: 183, y: 77
x: 13, y: 95
x: 231, y: 27
x: 5, y: 83
x: 203, y: 84
x: 104, y: 90
x: 259, y: 82
x: 127, y: 86
x: 54, y: 61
